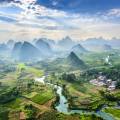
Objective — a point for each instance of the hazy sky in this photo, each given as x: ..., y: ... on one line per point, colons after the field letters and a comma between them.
x: 80, y: 19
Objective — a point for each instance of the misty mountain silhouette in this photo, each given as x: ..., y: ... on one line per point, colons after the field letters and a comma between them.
x: 29, y: 52
x: 75, y: 61
x: 44, y: 47
x: 16, y: 50
x: 66, y: 43
x: 78, y: 49
x: 25, y: 52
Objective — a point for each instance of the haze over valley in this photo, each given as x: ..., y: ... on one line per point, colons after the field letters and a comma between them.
x: 59, y: 60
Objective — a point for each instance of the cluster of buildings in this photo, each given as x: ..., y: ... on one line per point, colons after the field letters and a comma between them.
x: 103, y: 81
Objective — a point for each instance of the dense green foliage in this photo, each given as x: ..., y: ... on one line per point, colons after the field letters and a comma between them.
x: 68, y: 77
x: 8, y: 95
x: 53, y: 115
x: 4, y: 113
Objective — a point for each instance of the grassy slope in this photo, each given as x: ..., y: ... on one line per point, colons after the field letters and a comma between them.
x: 36, y: 72
x: 42, y: 98
x: 84, y: 92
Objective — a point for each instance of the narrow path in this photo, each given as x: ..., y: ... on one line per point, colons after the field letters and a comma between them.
x: 49, y: 103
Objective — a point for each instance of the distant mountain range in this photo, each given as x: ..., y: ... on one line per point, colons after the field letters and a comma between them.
x: 3, y: 47
x: 100, y: 44
x: 10, y: 44
x: 107, y: 47
x: 91, y: 44
x: 66, y: 43
x: 78, y: 49
x: 27, y: 51
x: 99, y: 48
x: 46, y: 48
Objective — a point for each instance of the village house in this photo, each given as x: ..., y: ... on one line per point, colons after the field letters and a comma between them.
x: 112, y: 86
x: 103, y: 81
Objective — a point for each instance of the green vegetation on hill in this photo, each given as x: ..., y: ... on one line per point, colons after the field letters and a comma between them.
x: 4, y: 113
x: 74, y: 61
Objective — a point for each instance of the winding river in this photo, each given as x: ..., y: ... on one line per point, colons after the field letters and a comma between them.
x: 63, y: 103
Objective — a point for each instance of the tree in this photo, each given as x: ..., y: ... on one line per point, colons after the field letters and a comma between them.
x: 69, y: 77
x: 0, y: 84
x: 118, y: 84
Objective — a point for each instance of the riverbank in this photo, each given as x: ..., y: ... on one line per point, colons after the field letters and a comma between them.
x: 63, y: 106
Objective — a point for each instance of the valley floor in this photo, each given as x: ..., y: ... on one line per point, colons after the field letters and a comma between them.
x: 22, y: 97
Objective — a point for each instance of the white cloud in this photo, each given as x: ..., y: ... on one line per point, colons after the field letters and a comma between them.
x: 114, y: 12
x: 34, y: 20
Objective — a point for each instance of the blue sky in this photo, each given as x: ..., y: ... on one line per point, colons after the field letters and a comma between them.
x: 87, y: 6
x: 80, y: 19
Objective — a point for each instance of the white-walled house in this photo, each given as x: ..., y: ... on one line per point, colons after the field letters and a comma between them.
x: 103, y: 81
